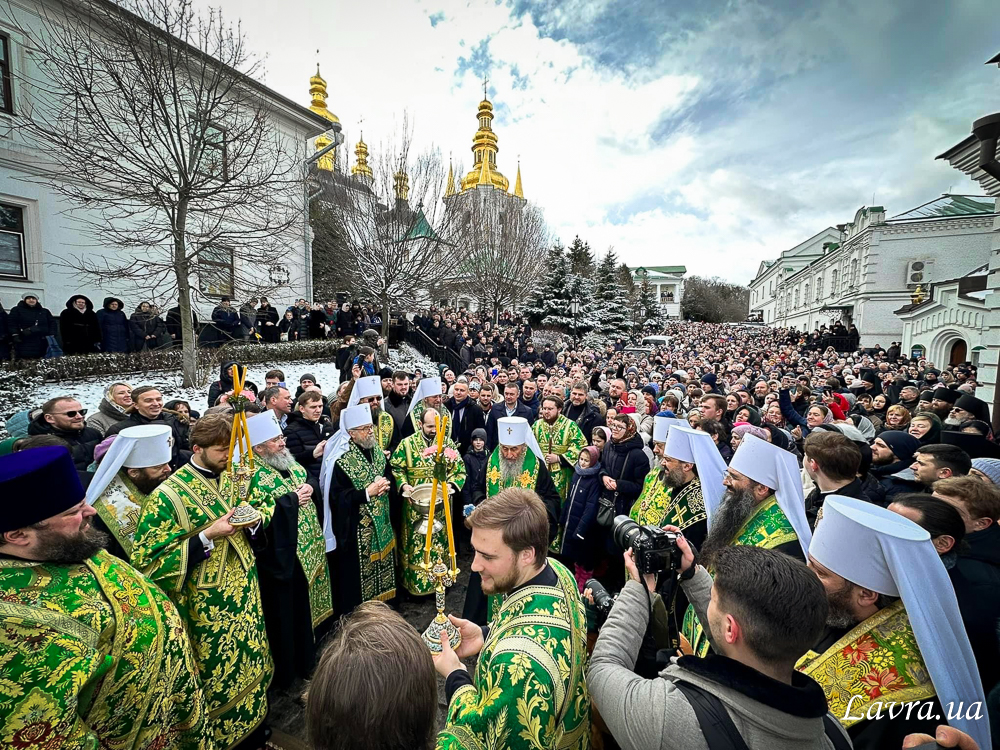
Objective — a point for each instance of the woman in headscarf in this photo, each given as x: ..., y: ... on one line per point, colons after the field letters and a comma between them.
x: 880, y: 404
x: 623, y: 464
x: 926, y: 427
x: 744, y: 428
x: 643, y: 419
x: 748, y: 414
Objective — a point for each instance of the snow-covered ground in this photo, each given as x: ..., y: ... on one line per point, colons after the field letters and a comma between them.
x: 90, y: 391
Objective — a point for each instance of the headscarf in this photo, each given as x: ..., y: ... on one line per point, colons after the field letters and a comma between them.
x: 742, y: 428
x: 934, y: 433
x: 606, y: 431
x: 630, y: 428
x: 753, y: 414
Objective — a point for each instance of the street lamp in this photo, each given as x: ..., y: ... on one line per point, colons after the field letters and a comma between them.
x: 574, y: 307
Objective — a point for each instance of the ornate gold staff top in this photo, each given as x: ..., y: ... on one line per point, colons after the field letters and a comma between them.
x: 241, y: 450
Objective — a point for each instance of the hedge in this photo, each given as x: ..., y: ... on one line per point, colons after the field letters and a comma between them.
x: 90, y: 365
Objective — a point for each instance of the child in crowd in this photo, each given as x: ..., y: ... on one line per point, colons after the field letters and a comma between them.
x: 579, y: 515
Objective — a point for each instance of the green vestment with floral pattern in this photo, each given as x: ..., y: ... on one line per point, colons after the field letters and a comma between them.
x: 95, y: 656
x: 877, y: 661
x: 565, y: 439
x: 219, y: 600
x: 767, y: 528
x: 529, y: 691
x: 410, y: 466
x: 310, y: 543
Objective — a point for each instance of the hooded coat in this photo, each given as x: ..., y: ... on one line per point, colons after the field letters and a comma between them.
x: 143, y: 324
x: 114, y: 327
x: 80, y: 331
x: 29, y: 327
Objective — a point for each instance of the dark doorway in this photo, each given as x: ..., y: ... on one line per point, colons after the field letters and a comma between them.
x: 959, y: 353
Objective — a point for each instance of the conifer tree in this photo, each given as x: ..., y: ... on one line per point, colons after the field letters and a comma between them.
x: 610, y: 298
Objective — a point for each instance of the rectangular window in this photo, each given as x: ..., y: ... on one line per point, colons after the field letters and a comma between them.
x: 6, y: 95
x: 214, y: 161
x: 215, y: 271
x: 12, y: 257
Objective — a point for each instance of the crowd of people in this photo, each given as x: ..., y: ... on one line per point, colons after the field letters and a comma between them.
x: 30, y: 331
x: 795, y: 537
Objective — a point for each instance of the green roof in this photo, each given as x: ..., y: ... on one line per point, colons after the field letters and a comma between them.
x: 421, y: 228
x: 950, y: 205
x: 659, y: 269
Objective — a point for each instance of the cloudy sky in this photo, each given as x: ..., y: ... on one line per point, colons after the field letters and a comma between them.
x: 712, y: 134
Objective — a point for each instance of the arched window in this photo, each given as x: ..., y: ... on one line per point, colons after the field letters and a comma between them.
x: 854, y: 272
x: 796, y: 297
x: 805, y: 295
x: 833, y: 282
x: 819, y: 287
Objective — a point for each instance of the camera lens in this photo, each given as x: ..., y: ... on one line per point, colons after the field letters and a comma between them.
x: 625, y: 531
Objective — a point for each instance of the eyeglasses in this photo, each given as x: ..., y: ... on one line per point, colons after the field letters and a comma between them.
x: 70, y: 414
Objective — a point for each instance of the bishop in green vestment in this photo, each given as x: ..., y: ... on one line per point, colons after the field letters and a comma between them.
x: 529, y: 691
x: 413, y: 464
x: 92, y: 654
x: 185, y: 543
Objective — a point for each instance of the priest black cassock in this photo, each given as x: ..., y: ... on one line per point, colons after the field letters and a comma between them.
x: 295, y: 590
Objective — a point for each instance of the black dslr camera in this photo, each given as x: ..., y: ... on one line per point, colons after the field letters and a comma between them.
x: 655, y: 550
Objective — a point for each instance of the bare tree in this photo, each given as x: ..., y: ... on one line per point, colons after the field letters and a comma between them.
x: 396, y: 230
x: 163, y: 147
x: 503, y: 244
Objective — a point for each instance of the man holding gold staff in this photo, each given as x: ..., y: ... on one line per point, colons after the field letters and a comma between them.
x: 413, y: 464
x: 359, y: 502
x: 188, y: 541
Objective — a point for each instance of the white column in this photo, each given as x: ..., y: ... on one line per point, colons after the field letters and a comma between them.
x: 988, y: 361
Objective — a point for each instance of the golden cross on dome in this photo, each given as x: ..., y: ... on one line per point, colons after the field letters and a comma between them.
x: 486, y: 80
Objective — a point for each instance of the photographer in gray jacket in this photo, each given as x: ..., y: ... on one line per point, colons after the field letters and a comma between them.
x: 764, y: 611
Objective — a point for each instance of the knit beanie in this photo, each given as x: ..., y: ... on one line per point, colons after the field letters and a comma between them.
x: 988, y: 466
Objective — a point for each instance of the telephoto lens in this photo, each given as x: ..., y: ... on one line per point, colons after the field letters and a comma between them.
x: 603, y: 601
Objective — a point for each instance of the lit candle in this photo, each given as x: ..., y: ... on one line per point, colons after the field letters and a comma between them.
x: 430, y: 524
x: 447, y: 521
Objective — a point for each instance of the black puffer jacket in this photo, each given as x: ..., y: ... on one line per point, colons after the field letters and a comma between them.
x: 114, y: 327
x: 80, y: 331
x: 28, y: 328
x: 627, y: 464
x: 302, y: 437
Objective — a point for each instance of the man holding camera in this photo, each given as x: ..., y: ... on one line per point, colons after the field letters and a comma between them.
x: 529, y: 691
x: 764, y: 610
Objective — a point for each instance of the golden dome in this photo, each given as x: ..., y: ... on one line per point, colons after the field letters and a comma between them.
x: 317, y: 90
x: 484, y: 146
x: 361, y: 155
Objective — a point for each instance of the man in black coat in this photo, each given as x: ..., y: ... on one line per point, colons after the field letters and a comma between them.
x: 63, y: 416
x: 267, y: 322
x: 226, y: 320
x: 586, y: 415
x: 511, y: 406
x: 78, y: 326
x: 466, y: 416
x: 30, y: 324
x: 148, y: 403
x: 173, y: 321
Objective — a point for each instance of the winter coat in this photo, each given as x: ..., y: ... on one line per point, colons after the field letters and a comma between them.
x: 317, y: 319
x: 265, y: 315
x: 114, y: 327
x: 225, y: 383
x: 28, y: 328
x: 587, y: 417
x: 81, y: 442
x: 289, y: 327
x: 143, y: 324
x: 579, y: 514
x: 472, y: 419
x: 302, y: 437
x: 179, y: 429
x: 226, y: 321
x: 300, y: 323
x: 475, y: 475
x: 107, y: 415
x: 976, y: 577
x: 626, y: 463
x: 174, y: 325
x: 80, y: 331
